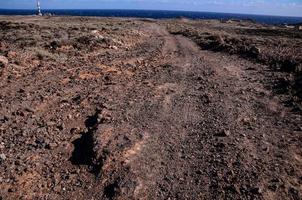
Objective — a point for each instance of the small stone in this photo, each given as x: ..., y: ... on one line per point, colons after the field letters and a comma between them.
x: 181, y: 179
x: 75, y: 130
x: 223, y: 133
x: 3, y: 61
x: 51, y: 145
x: 256, y: 190
x: 113, y: 47
x: 50, y: 123
x: 94, y: 31
x: 255, y: 50
x: 17, y: 162
x: 11, y: 54
x: 57, y: 188
x: 61, y: 127
x: 246, y: 121
x: 234, y: 188
x: 29, y: 110
x: 2, y: 157
x: 266, y: 149
x: 11, y: 190
x: 227, y: 132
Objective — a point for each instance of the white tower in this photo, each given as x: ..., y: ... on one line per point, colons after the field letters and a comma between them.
x: 39, y: 8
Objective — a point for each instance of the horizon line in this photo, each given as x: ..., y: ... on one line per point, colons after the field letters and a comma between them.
x: 267, y: 15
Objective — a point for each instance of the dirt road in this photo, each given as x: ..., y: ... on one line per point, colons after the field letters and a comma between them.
x: 162, y: 120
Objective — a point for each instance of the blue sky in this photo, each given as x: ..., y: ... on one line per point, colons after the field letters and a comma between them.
x: 268, y: 7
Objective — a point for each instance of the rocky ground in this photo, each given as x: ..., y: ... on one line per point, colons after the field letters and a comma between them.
x: 109, y: 108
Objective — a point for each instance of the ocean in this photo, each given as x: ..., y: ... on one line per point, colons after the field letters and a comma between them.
x: 156, y: 14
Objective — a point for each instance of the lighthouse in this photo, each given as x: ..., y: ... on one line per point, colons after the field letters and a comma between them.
x: 39, y: 8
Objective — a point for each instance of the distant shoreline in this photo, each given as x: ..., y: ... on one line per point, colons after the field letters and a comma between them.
x: 225, y: 13
x: 158, y: 14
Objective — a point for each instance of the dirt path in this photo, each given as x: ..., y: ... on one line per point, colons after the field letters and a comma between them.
x: 157, y: 119
x: 209, y: 130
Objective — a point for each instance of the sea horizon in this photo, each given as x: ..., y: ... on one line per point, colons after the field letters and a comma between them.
x: 89, y: 9
x: 159, y: 14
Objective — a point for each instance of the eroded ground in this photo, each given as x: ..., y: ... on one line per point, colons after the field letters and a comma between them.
x: 99, y: 108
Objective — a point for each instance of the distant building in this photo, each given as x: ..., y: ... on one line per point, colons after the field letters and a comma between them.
x: 39, y: 8
x: 289, y: 26
x: 298, y: 27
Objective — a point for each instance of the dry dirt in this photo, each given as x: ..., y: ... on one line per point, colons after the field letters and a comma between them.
x: 109, y: 108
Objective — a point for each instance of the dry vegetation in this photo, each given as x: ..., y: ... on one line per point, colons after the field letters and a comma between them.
x: 280, y: 48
